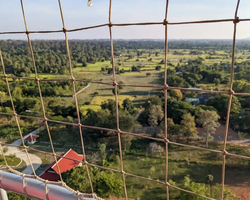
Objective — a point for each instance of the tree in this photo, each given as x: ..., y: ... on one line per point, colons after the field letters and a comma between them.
x: 14, y: 196
x: 216, y: 81
x: 209, y: 121
x: 148, y: 74
x: 135, y: 69
x: 103, y: 154
x: 126, y: 121
x: 176, y: 94
x: 152, y: 170
x: 107, y: 184
x: 69, y: 119
x: 240, y: 122
x: 241, y: 135
x: 210, y: 179
x: 220, y: 102
x: 191, y: 94
x: 104, y: 183
x: 120, y: 83
x: 172, y: 128
x: 156, y: 101
x: 177, y: 81
x: 77, y: 178
x: 2, y: 97
x: 17, y: 92
x: 176, y: 109
x: 126, y: 141
x: 128, y: 105
x: 100, y: 118
x: 202, y: 189
x: 158, y: 68
x: 162, y: 62
x: 118, y: 91
x: 5, y: 150
x: 106, y: 117
x: 155, y: 115
x: 110, y: 105
x: 241, y: 86
x: 84, y: 64
x: 188, y: 128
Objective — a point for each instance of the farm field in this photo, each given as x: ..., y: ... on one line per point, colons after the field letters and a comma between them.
x: 141, y: 108
x: 94, y: 71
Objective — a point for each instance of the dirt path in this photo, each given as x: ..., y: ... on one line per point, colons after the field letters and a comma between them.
x: 236, y: 180
x: 35, y: 160
x: 82, y: 89
x: 239, y: 182
x: 139, y: 112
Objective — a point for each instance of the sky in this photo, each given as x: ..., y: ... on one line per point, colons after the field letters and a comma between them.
x: 45, y: 15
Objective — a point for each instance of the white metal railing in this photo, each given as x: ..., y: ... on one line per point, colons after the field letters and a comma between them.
x: 36, y: 189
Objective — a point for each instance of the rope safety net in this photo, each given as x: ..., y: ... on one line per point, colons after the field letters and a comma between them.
x: 223, y: 153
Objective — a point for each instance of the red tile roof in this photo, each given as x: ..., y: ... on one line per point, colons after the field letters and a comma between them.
x: 64, y: 164
x: 67, y: 164
x: 31, y: 137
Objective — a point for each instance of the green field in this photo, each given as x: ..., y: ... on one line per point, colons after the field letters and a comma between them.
x: 137, y: 160
x: 91, y: 67
x: 94, y: 72
x: 143, y: 60
x: 44, y: 76
x: 11, y: 160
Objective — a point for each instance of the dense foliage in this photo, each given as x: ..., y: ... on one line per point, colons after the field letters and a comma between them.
x: 142, y: 112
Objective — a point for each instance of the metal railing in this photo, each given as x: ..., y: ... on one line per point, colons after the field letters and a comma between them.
x: 36, y: 189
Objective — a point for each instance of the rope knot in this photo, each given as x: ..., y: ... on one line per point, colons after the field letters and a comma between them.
x: 230, y: 92
x: 111, y: 24
x: 166, y: 87
x: 166, y: 140
x: 165, y: 22
x: 236, y: 20
x: 64, y: 30
x: 85, y: 162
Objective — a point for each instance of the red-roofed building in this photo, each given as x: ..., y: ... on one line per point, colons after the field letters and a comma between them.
x: 68, y: 161
x: 31, y: 139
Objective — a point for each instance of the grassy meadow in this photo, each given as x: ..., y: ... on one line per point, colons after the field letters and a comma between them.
x: 182, y: 161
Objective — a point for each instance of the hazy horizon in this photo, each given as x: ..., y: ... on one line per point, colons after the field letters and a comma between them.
x: 45, y: 15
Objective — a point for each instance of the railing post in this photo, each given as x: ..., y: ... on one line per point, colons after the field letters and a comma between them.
x: 3, y: 194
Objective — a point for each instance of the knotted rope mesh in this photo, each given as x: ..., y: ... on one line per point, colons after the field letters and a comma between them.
x: 73, y: 80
